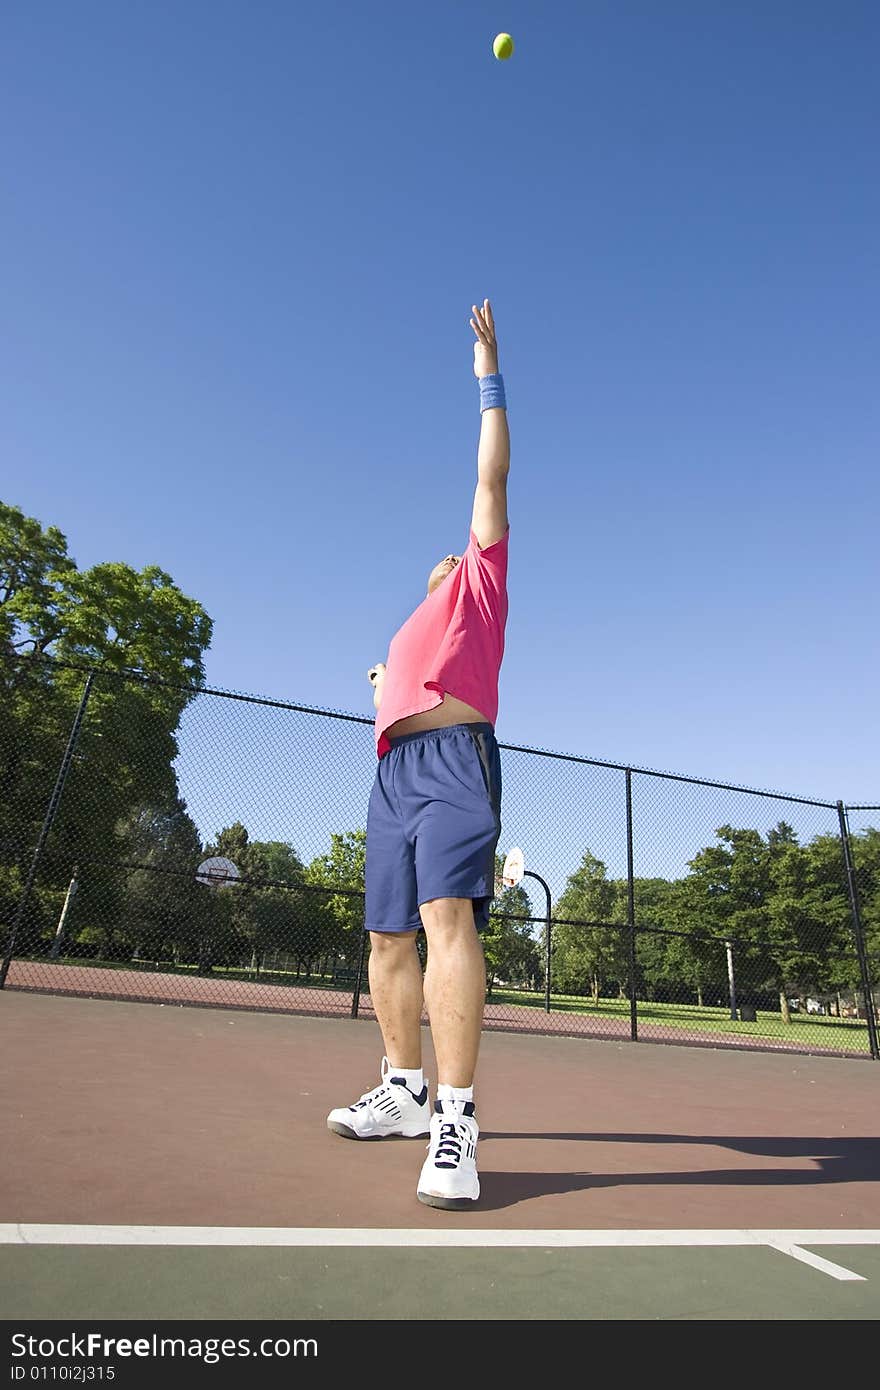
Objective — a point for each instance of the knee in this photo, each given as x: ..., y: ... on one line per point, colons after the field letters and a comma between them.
x: 392, y: 949
x: 446, y: 919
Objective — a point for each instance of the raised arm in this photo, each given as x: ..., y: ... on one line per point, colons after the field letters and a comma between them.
x: 489, y: 520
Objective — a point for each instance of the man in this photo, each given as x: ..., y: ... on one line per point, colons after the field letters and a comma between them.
x: 433, y: 825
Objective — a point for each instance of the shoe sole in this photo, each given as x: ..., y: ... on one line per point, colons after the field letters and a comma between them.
x: 430, y: 1199
x: 336, y: 1127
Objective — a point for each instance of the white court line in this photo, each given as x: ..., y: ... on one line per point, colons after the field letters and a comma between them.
x: 808, y: 1258
x: 786, y: 1242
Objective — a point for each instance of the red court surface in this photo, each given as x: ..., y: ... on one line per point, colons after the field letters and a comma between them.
x: 132, y: 1123
x: 157, y: 986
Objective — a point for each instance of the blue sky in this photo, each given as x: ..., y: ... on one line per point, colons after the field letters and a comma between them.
x: 240, y: 243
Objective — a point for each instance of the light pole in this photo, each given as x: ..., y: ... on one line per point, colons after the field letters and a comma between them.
x: 59, y: 930
x: 731, y: 980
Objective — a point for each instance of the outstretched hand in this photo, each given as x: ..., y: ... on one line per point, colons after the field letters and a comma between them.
x: 485, y: 348
x: 376, y: 677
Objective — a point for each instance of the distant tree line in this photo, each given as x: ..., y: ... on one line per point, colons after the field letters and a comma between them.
x: 782, y: 907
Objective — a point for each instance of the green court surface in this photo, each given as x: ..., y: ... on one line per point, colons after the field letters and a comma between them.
x: 490, y: 1283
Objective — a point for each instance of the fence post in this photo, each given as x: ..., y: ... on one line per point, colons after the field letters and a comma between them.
x: 527, y: 873
x: 631, y: 911
x: 356, y: 992
x: 47, y: 826
x: 852, y: 887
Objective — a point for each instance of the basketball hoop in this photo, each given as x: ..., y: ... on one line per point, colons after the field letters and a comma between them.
x: 216, y: 872
x: 513, y: 868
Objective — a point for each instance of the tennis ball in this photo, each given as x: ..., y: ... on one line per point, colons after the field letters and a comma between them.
x: 502, y: 46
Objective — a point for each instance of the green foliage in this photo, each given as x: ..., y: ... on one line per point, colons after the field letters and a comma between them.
x: 160, y: 899
x: 586, y: 948
x: 866, y: 856
x: 118, y: 621
x: 782, y: 905
x: 267, y: 910
x: 339, y: 917
x: 35, y: 570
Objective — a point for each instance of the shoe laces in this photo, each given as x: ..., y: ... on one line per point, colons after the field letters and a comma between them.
x: 454, y: 1132
x: 369, y: 1098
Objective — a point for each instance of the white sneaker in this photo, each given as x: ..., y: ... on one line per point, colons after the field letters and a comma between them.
x: 449, y: 1174
x: 390, y: 1110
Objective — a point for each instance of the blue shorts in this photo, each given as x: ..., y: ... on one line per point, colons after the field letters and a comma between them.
x: 433, y: 823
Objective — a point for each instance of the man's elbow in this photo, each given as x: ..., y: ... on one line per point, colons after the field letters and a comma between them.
x: 493, y: 473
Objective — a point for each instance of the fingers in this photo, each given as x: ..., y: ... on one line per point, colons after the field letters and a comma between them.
x: 483, y: 323
x: 481, y: 331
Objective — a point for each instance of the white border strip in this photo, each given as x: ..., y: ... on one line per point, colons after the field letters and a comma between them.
x: 787, y: 1242
x: 808, y: 1258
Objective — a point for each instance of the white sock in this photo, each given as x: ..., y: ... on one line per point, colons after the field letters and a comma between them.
x: 412, y: 1080
x: 462, y: 1093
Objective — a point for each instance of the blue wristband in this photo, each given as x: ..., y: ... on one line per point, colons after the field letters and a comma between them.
x: 492, y: 392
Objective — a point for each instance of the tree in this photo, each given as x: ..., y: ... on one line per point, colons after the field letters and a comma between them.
x: 767, y: 898
x: 264, y: 910
x: 34, y: 714
x: 664, y: 965
x: 828, y: 880
x: 338, y: 918
x: 110, y: 615
x: 586, y: 949
x: 147, y: 908
x: 866, y: 857
x: 54, y: 623
x: 34, y: 572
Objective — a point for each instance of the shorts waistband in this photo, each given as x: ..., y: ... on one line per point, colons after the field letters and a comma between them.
x: 474, y: 728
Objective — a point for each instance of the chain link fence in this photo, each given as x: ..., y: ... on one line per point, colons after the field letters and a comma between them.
x: 205, y: 847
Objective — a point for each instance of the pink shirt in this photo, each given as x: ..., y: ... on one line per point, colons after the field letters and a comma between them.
x: 452, y: 644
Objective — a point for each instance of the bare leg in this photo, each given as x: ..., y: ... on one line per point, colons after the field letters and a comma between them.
x: 395, y: 974
x: 455, y: 987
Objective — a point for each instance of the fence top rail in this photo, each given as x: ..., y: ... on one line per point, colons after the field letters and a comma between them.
x: 675, y: 776
x: 127, y: 673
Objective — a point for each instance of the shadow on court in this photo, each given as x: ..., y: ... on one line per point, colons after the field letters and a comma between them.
x: 835, y: 1161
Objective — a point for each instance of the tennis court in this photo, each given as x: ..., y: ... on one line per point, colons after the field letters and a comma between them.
x: 172, y: 1162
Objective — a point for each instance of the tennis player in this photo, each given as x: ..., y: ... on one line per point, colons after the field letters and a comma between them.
x: 433, y: 824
